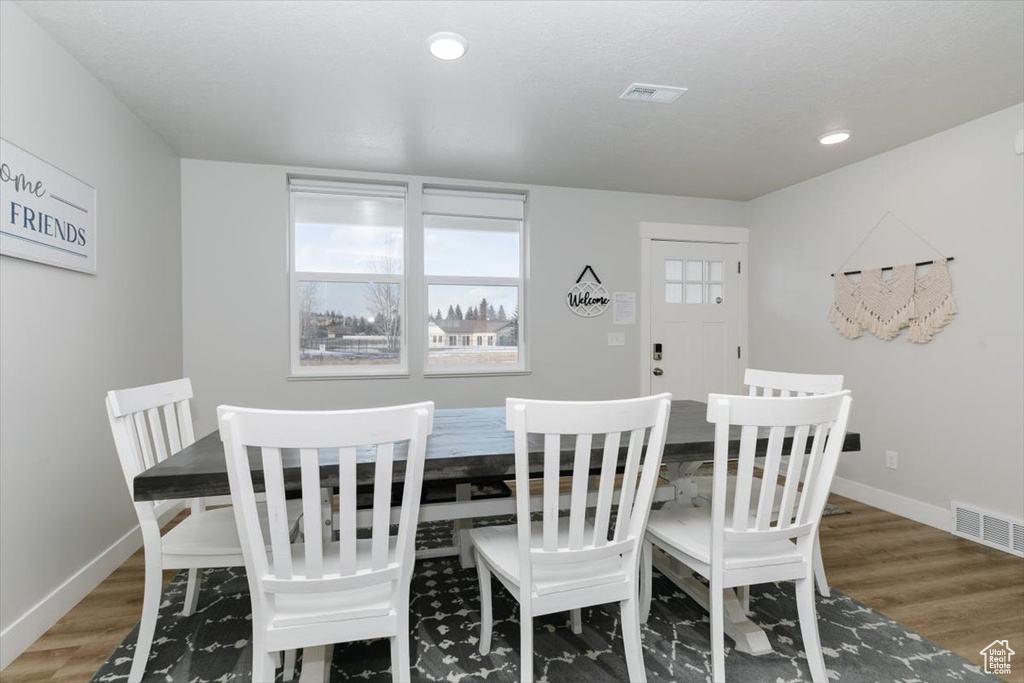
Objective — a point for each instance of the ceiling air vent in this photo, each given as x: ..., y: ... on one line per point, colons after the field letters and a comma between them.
x: 644, y: 92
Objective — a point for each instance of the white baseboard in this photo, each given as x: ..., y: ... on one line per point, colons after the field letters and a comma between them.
x: 925, y: 513
x: 24, y: 631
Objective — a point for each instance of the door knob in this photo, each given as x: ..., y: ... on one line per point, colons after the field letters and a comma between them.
x: 658, y: 372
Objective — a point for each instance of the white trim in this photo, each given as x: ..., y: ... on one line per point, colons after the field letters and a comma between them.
x: 483, y: 370
x: 27, y: 628
x: 685, y: 232
x: 915, y: 510
x: 369, y: 372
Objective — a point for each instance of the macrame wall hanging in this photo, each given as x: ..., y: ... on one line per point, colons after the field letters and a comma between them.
x: 886, y: 306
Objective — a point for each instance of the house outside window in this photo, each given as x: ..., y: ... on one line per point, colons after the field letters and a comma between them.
x: 474, y: 271
x: 347, y: 254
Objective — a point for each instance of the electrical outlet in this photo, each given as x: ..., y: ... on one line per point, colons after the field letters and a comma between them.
x: 890, y: 460
x: 616, y: 339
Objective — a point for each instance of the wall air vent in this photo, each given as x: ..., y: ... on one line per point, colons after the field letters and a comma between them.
x: 644, y: 92
x: 987, y: 528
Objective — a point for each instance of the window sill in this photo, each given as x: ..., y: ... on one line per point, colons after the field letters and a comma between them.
x: 404, y: 374
x: 435, y: 374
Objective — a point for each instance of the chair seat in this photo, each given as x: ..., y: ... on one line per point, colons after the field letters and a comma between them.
x: 689, y: 530
x: 214, y: 532
x: 499, y: 546
x: 296, y: 609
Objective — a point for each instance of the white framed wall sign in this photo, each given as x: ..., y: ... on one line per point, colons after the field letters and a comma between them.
x: 588, y: 298
x: 46, y: 215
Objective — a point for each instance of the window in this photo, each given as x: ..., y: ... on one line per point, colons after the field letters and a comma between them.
x: 694, y: 282
x: 474, y: 271
x: 347, y: 252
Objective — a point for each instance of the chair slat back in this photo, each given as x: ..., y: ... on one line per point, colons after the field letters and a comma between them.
x: 587, y: 427
x: 149, y: 423
x: 771, y: 383
x: 787, y: 422
x: 784, y: 384
x: 327, y: 439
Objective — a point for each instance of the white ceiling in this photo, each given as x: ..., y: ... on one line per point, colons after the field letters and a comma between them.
x: 351, y: 85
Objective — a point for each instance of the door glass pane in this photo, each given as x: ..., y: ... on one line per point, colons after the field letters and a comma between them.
x: 460, y: 245
x: 673, y: 293
x: 673, y: 271
x: 349, y: 323
x: 694, y: 271
x: 694, y: 293
x: 715, y: 295
x: 346, y: 234
x: 471, y: 324
x: 715, y: 271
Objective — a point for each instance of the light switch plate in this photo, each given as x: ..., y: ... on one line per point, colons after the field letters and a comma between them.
x: 616, y: 339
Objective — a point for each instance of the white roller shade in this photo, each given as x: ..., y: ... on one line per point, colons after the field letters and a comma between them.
x: 455, y: 202
x: 346, y: 188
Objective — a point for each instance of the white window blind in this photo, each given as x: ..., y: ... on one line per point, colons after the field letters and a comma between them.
x: 456, y: 202
x: 339, y: 187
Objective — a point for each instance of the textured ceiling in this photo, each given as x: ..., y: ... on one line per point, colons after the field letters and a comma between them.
x: 351, y: 85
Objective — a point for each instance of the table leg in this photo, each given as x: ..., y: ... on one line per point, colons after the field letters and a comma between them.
x: 686, y: 489
x: 316, y: 662
x: 748, y: 636
x: 463, y: 492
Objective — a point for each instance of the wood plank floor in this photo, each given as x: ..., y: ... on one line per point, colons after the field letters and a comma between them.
x: 957, y: 593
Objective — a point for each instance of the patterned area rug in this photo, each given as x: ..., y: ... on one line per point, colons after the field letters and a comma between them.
x: 859, y: 644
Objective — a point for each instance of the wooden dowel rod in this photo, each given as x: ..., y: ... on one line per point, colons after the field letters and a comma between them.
x: 919, y: 263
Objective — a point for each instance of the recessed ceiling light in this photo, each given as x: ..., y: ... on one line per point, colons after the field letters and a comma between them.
x: 834, y: 137
x: 447, y: 46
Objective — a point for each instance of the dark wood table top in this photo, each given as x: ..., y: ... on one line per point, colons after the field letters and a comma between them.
x: 468, y: 444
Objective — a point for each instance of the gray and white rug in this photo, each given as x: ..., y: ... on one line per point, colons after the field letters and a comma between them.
x: 860, y: 644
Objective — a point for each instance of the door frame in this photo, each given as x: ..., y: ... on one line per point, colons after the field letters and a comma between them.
x: 686, y: 232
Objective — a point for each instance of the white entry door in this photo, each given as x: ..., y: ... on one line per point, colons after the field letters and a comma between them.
x: 696, y: 301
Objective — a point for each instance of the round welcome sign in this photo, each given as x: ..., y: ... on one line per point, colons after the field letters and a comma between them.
x: 589, y: 298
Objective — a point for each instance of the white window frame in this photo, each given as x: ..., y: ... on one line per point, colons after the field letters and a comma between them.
x: 299, y: 185
x: 473, y: 203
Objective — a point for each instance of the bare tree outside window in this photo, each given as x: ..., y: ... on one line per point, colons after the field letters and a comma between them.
x: 385, y: 300
x: 309, y: 304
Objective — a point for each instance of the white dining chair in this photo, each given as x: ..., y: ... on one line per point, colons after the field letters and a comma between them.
x: 740, y: 541
x: 780, y: 384
x: 324, y: 591
x: 149, y: 424
x: 564, y: 564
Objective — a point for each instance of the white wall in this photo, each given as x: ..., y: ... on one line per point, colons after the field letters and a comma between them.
x: 68, y: 337
x: 234, y: 238
x: 952, y: 409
